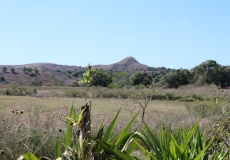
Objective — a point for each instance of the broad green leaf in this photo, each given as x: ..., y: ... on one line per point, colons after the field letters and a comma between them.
x: 58, y: 150
x: 188, y: 138
x: 126, y: 129
x: 69, y: 133
x: 173, y: 150
x: 156, y: 141
x: 110, y: 128
x: 199, y: 139
x: 177, y: 147
x: 117, y: 153
x: 201, y: 154
x: 136, y: 135
x: 30, y: 156
x: 146, y: 151
x: 123, y: 138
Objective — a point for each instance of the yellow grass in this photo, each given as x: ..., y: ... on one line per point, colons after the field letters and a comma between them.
x: 157, y: 111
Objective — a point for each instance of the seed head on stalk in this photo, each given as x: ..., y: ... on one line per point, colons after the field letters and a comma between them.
x: 88, y: 78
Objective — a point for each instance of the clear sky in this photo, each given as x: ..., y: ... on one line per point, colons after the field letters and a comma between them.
x: 169, y: 33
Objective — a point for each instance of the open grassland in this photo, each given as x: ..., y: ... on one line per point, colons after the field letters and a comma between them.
x: 156, y: 111
x: 33, y: 123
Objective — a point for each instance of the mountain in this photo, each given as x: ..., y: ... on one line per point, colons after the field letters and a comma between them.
x: 127, y: 64
x: 56, y: 74
x: 47, y: 66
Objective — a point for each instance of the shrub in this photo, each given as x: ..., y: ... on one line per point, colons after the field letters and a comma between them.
x: 2, y: 79
x: 4, y: 69
x: 15, y: 90
x: 74, y: 93
x: 187, y: 99
x: 37, y: 82
x: 47, y: 84
x: 12, y: 70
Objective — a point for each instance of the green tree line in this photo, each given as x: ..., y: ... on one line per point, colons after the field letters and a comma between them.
x: 208, y: 72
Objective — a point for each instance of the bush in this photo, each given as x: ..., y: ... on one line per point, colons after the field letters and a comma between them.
x: 47, y: 84
x: 15, y: 90
x: 187, y: 99
x: 4, y: 69
x: 37, y: 82
x: 2, y: 79
x: 74, y: 93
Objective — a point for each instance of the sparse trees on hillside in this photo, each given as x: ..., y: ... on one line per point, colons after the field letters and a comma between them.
x: 78, y: 74
x: 24, y: 69
x: 36, y: 70
x: 29, y: 70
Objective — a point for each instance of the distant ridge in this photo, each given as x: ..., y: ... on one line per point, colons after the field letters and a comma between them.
x: 50, y: 66
x: 50, y: 73
x: 127, y: 64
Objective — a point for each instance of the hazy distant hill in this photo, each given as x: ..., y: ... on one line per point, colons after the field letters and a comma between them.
x: 127, y: 64
x: 50, y: 66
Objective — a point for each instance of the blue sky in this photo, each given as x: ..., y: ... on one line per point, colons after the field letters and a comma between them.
x: 174, y: 34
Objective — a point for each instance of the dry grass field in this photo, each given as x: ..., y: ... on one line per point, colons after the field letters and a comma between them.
x: 42, y: 115
x: 156, y: 111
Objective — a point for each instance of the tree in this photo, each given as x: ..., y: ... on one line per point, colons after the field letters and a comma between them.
x: 24, y: 69
x: 78, y: 74
x: 144, y: 105
x: 37, y: 82
x: 207, y: 72
x: 4, y: 69
x: 224, y: 77
x: 101, y: 78
x: 2, y: 79
x: 157, y: 78
x: 119, y: 79
x: 176, y: 78
x: 36, y: 70
x: 12, y: 70
x: 29, y: 70
x: 141, y: 78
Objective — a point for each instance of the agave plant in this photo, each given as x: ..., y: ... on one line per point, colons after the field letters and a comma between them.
x: 184, y: 145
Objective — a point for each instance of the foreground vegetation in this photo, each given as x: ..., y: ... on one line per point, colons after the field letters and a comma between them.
x: 34, y: 123
x: 37, y: 130
x: 51, y: 122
